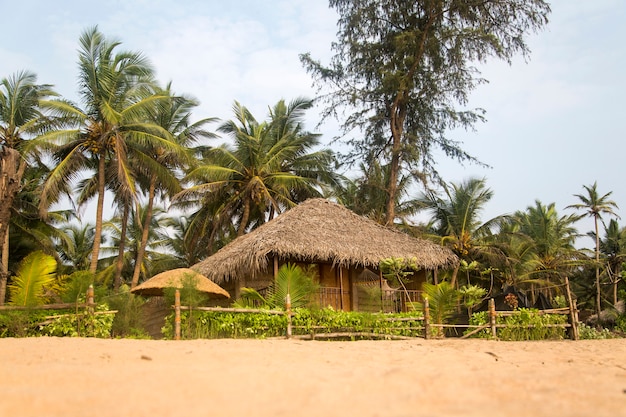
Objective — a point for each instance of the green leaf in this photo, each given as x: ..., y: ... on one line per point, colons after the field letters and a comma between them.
x: 36, y: 272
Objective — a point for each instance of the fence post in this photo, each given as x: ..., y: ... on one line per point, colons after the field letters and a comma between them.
x: 89, y: 319
x: 573, y: 312
x: 288, y: 312
x: 492, y: 317
x: 426, y: 319
x: 177, y: 315
x: 90, y: 299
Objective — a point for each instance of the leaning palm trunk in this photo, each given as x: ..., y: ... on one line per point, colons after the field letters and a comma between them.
x: 144, y: 234
x: 11, y: 172
x: 244, y: 218
x: 4, y: 269
x: 119, y: 265
x: 95, y: 253
x: 598, y: 288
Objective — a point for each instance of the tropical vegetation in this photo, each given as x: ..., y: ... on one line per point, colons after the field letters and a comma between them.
x: 180, y: 186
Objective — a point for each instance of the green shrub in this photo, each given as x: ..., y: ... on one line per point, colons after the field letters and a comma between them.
x: 21, y: 323
x: 517, y: 325
x: 28, y: 323
x: 128, y: 321
x: 214, y: 325
x: 586, y: 332
x: 620, y: 323
x: 203, y: 324
x: 80, y: 325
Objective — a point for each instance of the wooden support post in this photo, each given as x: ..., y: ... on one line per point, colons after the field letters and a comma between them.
x: 380, y: 280
x: 492, y: 317
x: 90, y: 299
x: 90, y: 310
x: 426, y: 319
x: 288, y: 312
x: 177, y: 315
x: 340, y: 273
x: 573, y: 312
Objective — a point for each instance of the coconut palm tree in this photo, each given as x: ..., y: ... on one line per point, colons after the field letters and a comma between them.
x: 270, y: 168
x: 23, y: 116
x: 74, y: 251
x: 456, y: 218
x: 613, y: 248
x: 116, y: 89
x: 595, y: 206
x: 552, y: 253
x: 159, y: 165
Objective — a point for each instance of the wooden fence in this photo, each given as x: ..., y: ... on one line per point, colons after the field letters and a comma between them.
x: 88, y: 306
x: 426, y: 327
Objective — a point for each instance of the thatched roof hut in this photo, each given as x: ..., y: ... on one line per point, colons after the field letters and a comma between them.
x: 320, y: 231
x: 174, y: 279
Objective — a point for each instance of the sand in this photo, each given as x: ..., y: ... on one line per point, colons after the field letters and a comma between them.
x: 95, y: 377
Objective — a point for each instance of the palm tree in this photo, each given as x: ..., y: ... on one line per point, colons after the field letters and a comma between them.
x: 22, y: 117
x: 270, y: 168
x: 75, y: 249
x: 116, y: 89
x: 552, y: 252
x: 613, y: 247
x: 158, y: 164
x: 595, y: 206
x: 456, y: 218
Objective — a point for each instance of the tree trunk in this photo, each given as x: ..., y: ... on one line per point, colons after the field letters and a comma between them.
x: 4, y: 269
x: 397, y: 128
x: 119, y: 265
x: 11, y: 172
x: 455, y: 272
x: 95, y: 253
x: 598, y: 288
x: 144, y: 234
x: 244, y: 218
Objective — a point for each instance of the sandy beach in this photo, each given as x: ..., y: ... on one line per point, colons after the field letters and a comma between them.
x: 95, y: 377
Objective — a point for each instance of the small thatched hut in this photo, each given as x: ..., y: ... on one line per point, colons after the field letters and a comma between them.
x: 342, y: 245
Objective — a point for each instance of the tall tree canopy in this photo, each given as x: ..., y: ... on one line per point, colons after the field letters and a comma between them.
x: 405, y: 68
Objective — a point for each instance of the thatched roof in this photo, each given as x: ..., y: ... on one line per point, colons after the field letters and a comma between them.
x: 173, y: 279
x: 320, y: 231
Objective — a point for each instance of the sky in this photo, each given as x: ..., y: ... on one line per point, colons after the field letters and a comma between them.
x: 555, y: 122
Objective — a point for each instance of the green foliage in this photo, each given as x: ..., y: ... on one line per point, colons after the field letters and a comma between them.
x: 128, y: 321
x: 292, y: 280
x: 472, y: 295
x: 559, y: 301
x: 35, y: 273
x: 76, y: 286
x: 21, y: 323
x: 80, y: 325
x: 56, y: 323
x: 397, y: 270
x: 586, y: 332
x: 212, y: 325
x: 442, y: 300
x: 620, y: 323
x: 518, y: 325
x: 304, y: 321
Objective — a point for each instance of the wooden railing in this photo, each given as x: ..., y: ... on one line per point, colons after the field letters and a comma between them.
x: 391, y: 301
x: 330, y: 297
